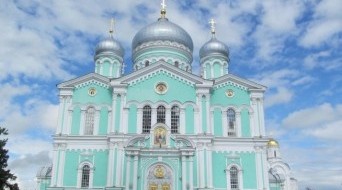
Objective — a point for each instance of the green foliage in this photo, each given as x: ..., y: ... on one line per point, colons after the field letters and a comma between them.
x: 5, y: 174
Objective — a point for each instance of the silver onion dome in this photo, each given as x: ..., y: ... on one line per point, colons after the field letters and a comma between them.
x: 214, y: 47
x: 163, y: 30
x: 109, y: 46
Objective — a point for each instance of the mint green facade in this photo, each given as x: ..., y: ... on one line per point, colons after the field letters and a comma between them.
x: 162, y: 127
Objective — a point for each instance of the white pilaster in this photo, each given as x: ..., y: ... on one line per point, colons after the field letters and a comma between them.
x: 212, y: 123
x: 251, y: 123
x: 128, y: 169
x: 67, y: 105
x: 61, y: 165
x: 60, y: 114
x: 168, y: 117
x: 111, y: 70
x: 153, y: 116
x: 69, y: 125
x: 184, y: 180
x: 54, y: 171
x: 224, y: 123
x: 262, y: 117
x: 139, y: 122
x: 110, y: 170
x: 207, y: 104
x: 135, y: 172
x: 212, y: 71
x: 123, y: 102
x: 209, y: 166
x: 125, y: 120
x: 197, y: 120
x: 82, y: 122
x: 265, y: 169
x: 259, y: 169
x: 182, y: 125
x: 96, y: 122
x: 238, y: 124
x: 255, y: 117
x: 109, y: 120
x: 191, y: 176
x: 112, y: 126
x: 119, y: 164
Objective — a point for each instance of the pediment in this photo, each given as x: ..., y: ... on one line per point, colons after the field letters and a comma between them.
x: 161, y: 66
x: 238, y: 81
x: 91, y: 77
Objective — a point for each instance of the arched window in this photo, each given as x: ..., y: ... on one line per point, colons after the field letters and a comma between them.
x: 89, y: 121
x: 231, y: 122
x: 85, y: 176
x: 146, y: 122
x: 175, y: 111
x: 234, y: 178
x: 147, y: 63
x: 161, y: 114
x: 176, y: 64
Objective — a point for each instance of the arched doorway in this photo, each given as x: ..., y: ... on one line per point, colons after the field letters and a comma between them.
x: 159, y: 177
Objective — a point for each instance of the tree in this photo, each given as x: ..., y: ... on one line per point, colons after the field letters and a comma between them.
x: 5, y: 174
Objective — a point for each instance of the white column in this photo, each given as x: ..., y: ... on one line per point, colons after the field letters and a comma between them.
x: 153, y: 116
x: 67, y: 104
x: 54, y: 171
x: 82, y: 122
x: 61, y: 165
x: 182, y: 124
x: 199, y: 103
x: 238, y: 124
x: 118, y: 71
x: 135, y: 172
x: 259, y: 169
x: 191, y: 176
x: 168, y: 117
x: 265, y: 169
x: 201, y: 166
x: 251, y: 123
x: 209, y: 166
x: 255, y: 117
x: 123, y: 104
x: 224, y: 123
x: 119, y: 164
x: 96, y: 122
x: 261, y: 117
x: 125, y: 120
x: 197, y: 121
x: 212, y: 123
x: 69, y: 125
x: 139, y: 122
x: 111, y: 70
x: 110, y: 170
x: 109, y: 123
x: 60, y: 114
x: 212, y: 70
x: 112, y: 126
x: 128, y: 169
x: 184, y: 180
x: 207, y: 104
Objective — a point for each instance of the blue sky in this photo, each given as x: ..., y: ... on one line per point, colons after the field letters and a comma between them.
x: 291, y: 46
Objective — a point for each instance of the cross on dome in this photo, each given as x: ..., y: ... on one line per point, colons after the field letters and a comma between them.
x: 212, y: 25
x: 111, y: 29
x: 163, y: 8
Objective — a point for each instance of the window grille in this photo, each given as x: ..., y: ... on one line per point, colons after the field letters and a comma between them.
x: 231, y: 122
x: 161, y: 114
x: 146, y: 119
x: 234, y: 178
x: 175, y: 112
x: 85, y: 176
x: 89, y: 124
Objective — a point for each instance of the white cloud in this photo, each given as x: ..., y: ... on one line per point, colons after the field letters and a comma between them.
x: 327, y: 23
x: 282, y: 96
x: 313, y: 117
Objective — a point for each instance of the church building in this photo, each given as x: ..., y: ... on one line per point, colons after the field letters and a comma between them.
x: 162, y: 127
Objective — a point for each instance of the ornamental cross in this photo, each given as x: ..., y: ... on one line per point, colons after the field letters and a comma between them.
x: 163, y: 4
x: 212, y: 25
x: 111, y: 29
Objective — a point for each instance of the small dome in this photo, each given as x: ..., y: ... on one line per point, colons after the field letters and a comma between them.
x: 214, y: 46
x: 109, y: 46
x: 163, y: 30
x: 272, y: 144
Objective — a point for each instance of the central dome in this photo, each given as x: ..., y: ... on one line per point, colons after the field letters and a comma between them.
x: 163, y: 30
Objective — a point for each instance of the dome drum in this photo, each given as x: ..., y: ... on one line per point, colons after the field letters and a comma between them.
x: 214, y: 48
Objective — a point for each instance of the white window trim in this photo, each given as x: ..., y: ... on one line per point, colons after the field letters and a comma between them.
x: 79, y: 174
x: 239, y: 176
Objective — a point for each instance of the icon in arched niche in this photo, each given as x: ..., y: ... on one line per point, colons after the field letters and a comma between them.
x: 159, y: 177
x: 160, y: 136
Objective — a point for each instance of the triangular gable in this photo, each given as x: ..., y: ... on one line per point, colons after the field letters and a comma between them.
x: 161, y: 65
x: 84, y: 79
x: 229, y: 78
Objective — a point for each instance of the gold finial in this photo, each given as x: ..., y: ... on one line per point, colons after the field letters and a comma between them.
x: 111, y: 29
x: 163, y: 9
x: 212, y: 26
